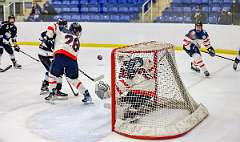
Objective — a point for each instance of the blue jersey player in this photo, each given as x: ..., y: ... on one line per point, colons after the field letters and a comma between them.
x: 8, y: 35
x: 237, y: 60
x: 192, y: 43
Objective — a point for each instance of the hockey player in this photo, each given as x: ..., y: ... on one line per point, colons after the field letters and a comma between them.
x: 192, y: 44
x: 8, y: 34
x: 46, y: 56
x: 237, y: 60
x: 66, y: 49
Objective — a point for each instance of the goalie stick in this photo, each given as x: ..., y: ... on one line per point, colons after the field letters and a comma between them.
x: 93, y: 79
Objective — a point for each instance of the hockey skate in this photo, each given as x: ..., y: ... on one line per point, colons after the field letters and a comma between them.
x: 235, y: 64
x: 61, y: 96
x: 206, y: 73
x: 44, y: 88
x: 50, y: 98
x: 195, y: 68
x: 87, y: 98
x: 16, y: 65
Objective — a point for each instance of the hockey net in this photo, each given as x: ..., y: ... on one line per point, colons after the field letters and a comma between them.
x: 149, y: 100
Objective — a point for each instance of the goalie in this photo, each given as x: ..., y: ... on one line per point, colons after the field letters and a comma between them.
x: 136, y: 75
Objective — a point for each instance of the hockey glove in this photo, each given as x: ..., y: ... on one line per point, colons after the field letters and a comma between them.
x: 193, y: 49
x: 16, y: 48
x: 211, y: 51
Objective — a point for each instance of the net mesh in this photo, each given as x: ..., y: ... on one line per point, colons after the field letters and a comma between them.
x: 149, y: 98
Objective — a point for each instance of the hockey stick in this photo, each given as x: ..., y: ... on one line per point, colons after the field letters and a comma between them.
x: 93, y: 79
x: 220, y: 56
x: 75, y: 94
x: 29, y: 55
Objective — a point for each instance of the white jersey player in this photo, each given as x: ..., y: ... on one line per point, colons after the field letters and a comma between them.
x: 192, y: 44
x: 66, y: 49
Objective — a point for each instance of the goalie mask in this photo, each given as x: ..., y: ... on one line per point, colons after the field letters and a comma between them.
x: 102, y: 90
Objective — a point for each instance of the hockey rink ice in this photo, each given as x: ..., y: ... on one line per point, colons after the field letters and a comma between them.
x: 25, y: 117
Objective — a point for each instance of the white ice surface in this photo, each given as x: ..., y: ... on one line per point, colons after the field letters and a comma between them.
x: 25, y: 117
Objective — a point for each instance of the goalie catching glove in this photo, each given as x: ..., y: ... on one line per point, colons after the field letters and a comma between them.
x: 102, y: 90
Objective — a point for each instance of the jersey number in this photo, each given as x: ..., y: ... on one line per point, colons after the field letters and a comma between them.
x: 73, y: 42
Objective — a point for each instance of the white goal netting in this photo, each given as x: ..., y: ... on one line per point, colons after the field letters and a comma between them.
x: 149, y: 100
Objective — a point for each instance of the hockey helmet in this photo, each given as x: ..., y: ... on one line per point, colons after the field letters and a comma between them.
x: 62, y: 22
x: 11, y: 19
x: 198, y: 23
x: 198, y: 26
x: 75, y: 27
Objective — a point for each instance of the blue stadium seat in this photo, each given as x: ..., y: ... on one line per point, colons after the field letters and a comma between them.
x: 55, y: 18
x: 66, y: 9
x: 76, y: 17
x: 122, y: 1
x: 113, y: 9
x: 74, y: 2
x: 177, y: 9
x: 227, y: 1
x: 217, y: 1
x: 112, y: 1
x: 187, y: 1
x: 102, y: 1
x: 94, y: 9
x: 105, y: 17
x: 123, y: 9
x: 83, y: 1
x: 84, y: 9
x: 216, y: 9
x: 67, y: 17
x: 58, y: 10
x: 124, y: 18
x: 187, y: 19
x: 105, y: 9
x: 205, y: 9
x: 114, y: 18
x: 85, y: 17
x: 197, y: 1
x: 64, y: 2
x: 56, y: 2
x: 94, y: 17
x: 177, y: 1
x: 74, y: 9
x: 206, y: 1
x: 132, y: 1
x: 133, y: 8
x: 93, y: 1
x: 213, y: 20
x: 187, y: 9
